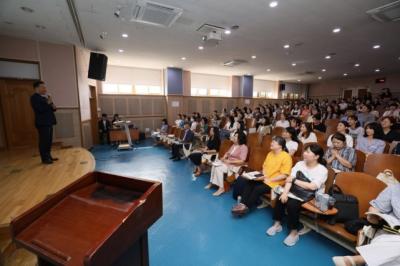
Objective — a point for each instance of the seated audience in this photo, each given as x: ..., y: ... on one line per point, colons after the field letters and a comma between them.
x: 230, y: 127
x: 282, y: 122
x: 342, y: 128
x: 104, y: 129
x: 292, y: 143
x: 194, y: 123
x: 230, y: 163
x: 387, y: 202
x: 163, y: 130
x: 295, y: 123
x: 187, y: 139
x: 372, y: 141
x: 208, y: 152
x: 389, y: 134
x: 179, y: 121
x: 393, y: 111
x: 276, y: 168
x: 204, y: 126
x: 306, y: 134
x: 340, y: 157
x: 313, y: 167
x: 317, y: 124
x: 115, y: 118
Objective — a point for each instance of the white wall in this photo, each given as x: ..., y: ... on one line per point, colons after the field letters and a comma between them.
x: 134, y: 76
x: 210, y: 81
x: 268, y: 86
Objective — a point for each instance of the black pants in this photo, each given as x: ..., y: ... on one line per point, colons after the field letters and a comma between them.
x: 252, y: 191
x: 104, y: 137
x: 293, y: 209
x: 45, y: 141
x: 175, y: 148
x: 196, y: 158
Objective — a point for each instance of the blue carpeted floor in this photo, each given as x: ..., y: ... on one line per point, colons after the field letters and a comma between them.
x: 198, y: 229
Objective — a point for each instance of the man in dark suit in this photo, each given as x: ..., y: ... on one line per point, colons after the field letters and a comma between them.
x: 104, y: 129
x: 187, y: 139
x: 45, y: 119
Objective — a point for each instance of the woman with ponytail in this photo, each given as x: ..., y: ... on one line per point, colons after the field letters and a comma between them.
x: 276, y: 168
x: 312, y: 167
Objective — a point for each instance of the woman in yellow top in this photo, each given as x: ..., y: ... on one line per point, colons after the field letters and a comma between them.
x: 276, y: 168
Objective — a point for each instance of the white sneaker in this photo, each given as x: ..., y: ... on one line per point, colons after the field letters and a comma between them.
x: 290, y: 240
x: 194, y: 178
x: 273, y: 230
x: 208, y: 186
x: 304, y: 230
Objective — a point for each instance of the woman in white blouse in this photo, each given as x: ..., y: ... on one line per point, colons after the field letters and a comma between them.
x: 282, y: 122
x: 306, y: 134
x: 313, y: 167
x: 292, y: 143
x: 342, y: 127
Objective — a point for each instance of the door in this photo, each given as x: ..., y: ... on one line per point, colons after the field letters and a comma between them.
x: 93, y: 115
x: 17, y: 113
x: 347, y: 94
x: 362, y: 93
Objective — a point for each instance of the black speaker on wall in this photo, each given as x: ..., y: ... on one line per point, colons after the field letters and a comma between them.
x: 282, y: 87
x: 97, y: 66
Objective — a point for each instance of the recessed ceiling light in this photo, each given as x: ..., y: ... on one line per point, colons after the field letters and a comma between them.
x: 377, y: 70
x: 328, y: 57
x: 293, y: 64
x: 268, y: 70
x: 273, y: 4
x: 120, y: 50
x: 345, y: 74
x: 27, y: 9
x: 336, y: 30
x: 41, y: 27
x: 248, y: 74
x: 125, y: 35
x: 183, y: 58
x: 286, y: 46
x: 171, y: 65
x: 376, y: 46
x: 253, y: 57
x: 299, y: 80
x: 201, y: 47
x: 319, y: 77
x: 323, y: 70
x: 356, y: 65
x: 227, y: 31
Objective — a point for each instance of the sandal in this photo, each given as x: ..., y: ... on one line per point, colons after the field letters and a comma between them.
x: 341, y: 261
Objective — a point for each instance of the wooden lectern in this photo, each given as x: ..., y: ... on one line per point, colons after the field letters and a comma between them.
x: 101, y: 219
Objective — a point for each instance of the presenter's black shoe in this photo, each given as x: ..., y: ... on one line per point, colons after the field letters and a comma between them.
x: 54, y: 159
x: 47, y: 162
x: 172, y: 157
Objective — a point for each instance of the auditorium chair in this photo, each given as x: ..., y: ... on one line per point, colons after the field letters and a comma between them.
x: 359, y: 167
x: 376, y: 163
x: 250, y: 124
x: 253, y: 140
x: 365, y: 188
x: 277, y: 131
x: 266, y: 142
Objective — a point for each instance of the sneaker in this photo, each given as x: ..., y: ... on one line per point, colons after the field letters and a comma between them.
x: 290, y: 240
x: 304, y: 230
x: 194, y: 177
x: 274, y: 229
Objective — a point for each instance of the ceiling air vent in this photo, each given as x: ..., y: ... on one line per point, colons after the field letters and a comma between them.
x: 207, y: 28
x: 386, y: 13
x: 155, y: 14
x: 234, y: 62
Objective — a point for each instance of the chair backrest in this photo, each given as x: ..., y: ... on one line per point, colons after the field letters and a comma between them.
x: 387, y: 147
x: 171, y: 129
x: 253, y: 140
x: 277, y: 131
x: 330, y: 180
x: 331, y: 126
x: 321, y: 137
x: 363, y: 186
x: 223, y: 122
x: 224, y: 147
x: 360, y: 161
x: 266, y: 142
x: 250, y: 123
x: 177, y: 132
x: 299, y: 152
x: 376, y: 163
x: 257, y: 158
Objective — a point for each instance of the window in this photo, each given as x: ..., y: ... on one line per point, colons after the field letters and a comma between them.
x: 143, y: 89
x: 198, y: 92
x: 109, y: 88
x: 219, y: 92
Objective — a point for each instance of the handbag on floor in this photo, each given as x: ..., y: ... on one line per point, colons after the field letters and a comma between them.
x: 347, y: 206
x: 302, y: 193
